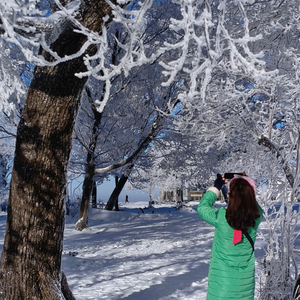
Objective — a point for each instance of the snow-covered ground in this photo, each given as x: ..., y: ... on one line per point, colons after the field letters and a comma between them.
x: 161, y: 254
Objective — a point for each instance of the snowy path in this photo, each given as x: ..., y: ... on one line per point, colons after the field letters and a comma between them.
x: 129, y: 255
x: 162, y: 254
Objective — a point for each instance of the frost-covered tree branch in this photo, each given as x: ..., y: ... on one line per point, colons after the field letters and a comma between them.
x: 281, y: 161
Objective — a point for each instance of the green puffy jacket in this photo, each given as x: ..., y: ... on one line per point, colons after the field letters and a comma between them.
x: 231, y: 270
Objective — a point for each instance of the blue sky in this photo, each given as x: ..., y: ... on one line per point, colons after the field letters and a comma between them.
x: 105, y: 189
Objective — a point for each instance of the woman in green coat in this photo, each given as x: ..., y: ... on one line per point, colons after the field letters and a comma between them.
x: 231, y: 271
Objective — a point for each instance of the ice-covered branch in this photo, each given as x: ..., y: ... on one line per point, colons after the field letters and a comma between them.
x: 128, y: 160
x: 274, y: 149
x: 209, y: 45
x: 133, y: 23
x: 29, y: 28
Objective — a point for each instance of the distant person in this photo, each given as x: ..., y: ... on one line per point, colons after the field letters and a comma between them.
x: 126, y: 199
x: 231, y: 270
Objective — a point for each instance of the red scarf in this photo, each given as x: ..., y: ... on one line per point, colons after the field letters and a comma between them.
x: 237, y: 236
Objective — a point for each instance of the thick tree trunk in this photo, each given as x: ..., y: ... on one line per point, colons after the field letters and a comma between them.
x: 31, y: 257
x: 85, y: 201
x: 116, y: 192
x: 89, y: 170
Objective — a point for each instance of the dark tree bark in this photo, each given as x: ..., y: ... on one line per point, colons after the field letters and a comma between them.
x: 65, y: 288
x: 89, y: 169
x: 117, y: 199
x: 94, y: 195
x: 116, y: 192
x: 86, y: 195
x: 30, y: 266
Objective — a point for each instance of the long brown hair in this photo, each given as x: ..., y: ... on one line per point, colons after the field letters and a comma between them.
x: 242, y: 210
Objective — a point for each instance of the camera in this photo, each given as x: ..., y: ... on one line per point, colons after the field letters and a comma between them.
x: 231, y: 175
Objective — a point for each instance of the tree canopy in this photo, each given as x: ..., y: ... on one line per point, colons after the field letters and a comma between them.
x: 233, y: 66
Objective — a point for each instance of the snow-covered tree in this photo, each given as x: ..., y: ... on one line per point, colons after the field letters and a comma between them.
x: 246, y: 104
x: 35, y: 218
x: 13, y: 90
x: 131, y: 111
x: 236, y: 96
x: 129, y: 125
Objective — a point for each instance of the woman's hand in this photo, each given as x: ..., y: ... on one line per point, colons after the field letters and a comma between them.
x: 224, y: 179
x: 219, y: 182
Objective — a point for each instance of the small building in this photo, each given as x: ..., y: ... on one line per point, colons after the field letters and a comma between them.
x: 195, y: 195
x: 185, y: 195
